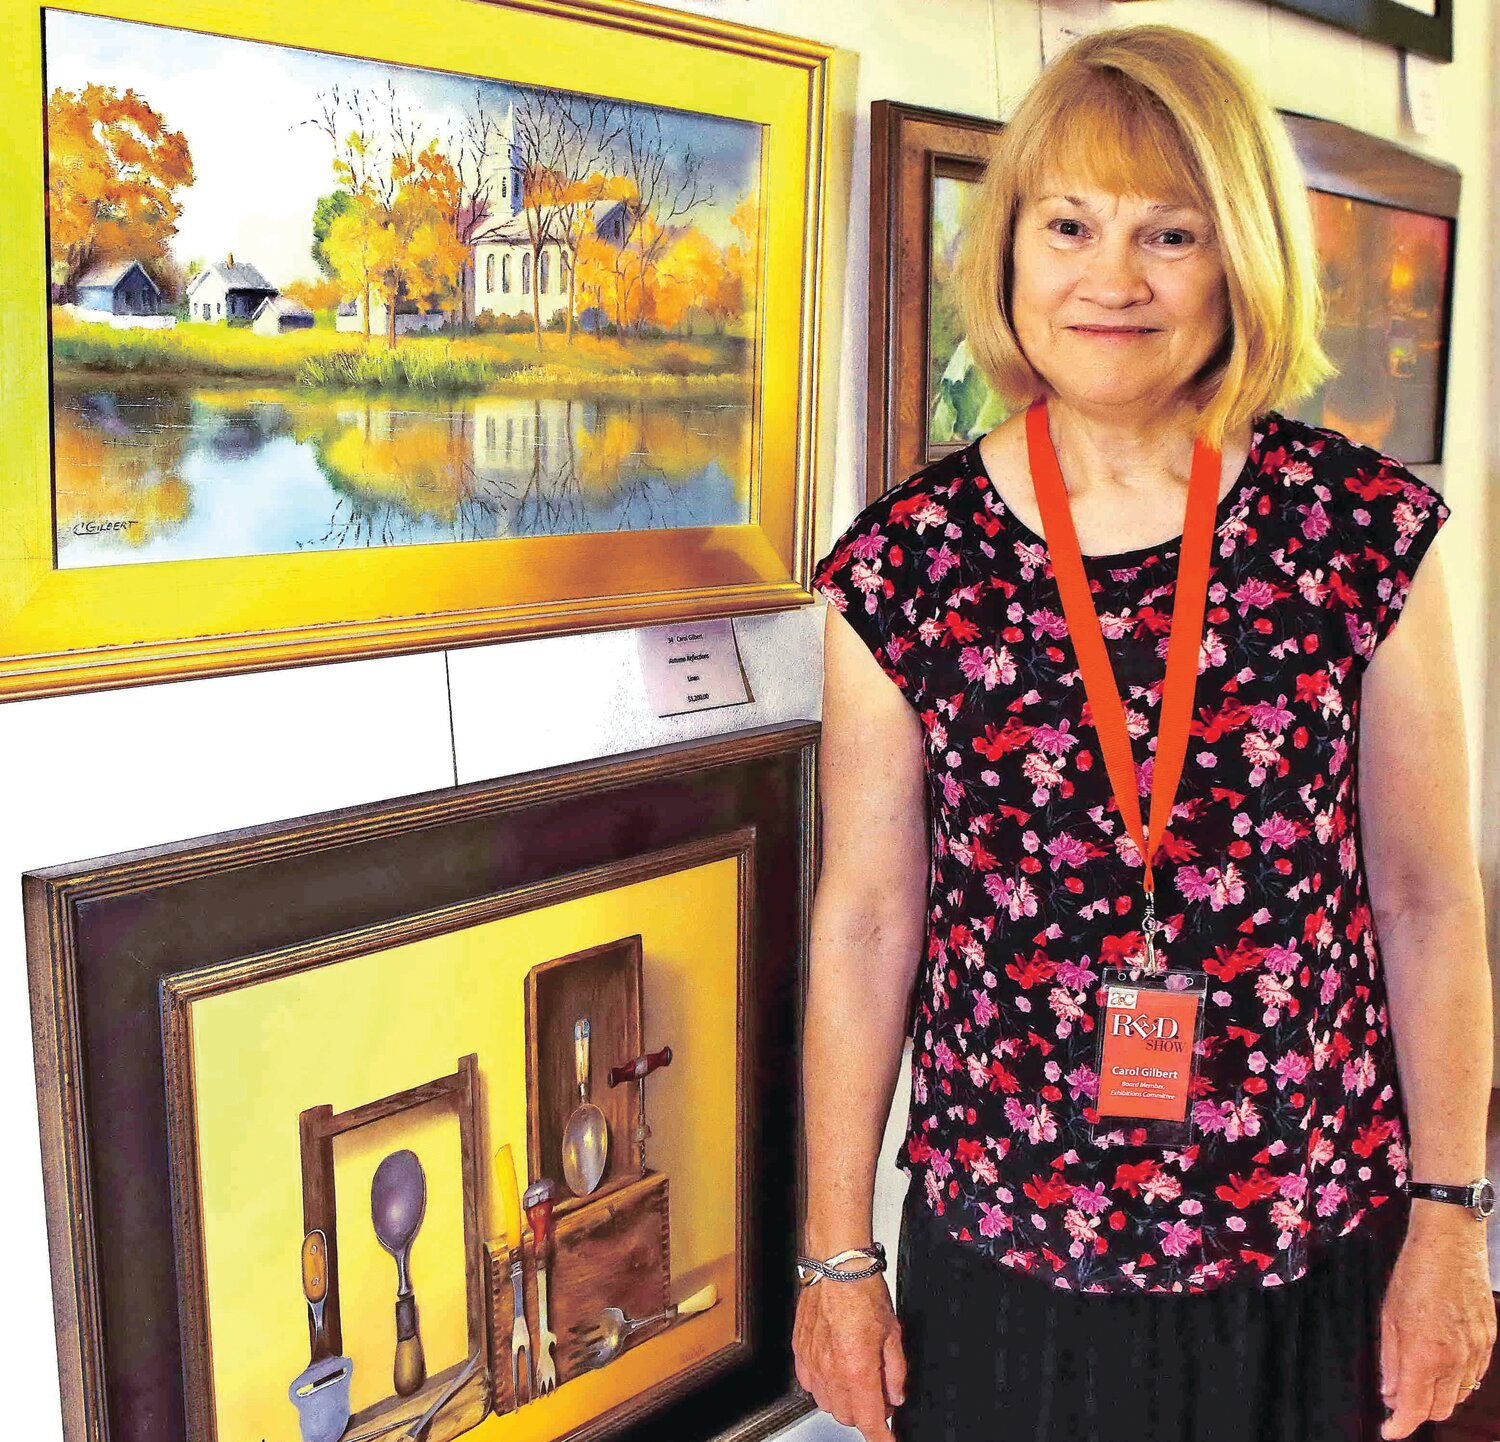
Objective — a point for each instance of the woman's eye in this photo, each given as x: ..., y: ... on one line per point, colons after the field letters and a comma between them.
x: 1186, y: 235
x: 1065, y: 222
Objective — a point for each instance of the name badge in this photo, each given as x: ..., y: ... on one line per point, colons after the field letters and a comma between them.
x: 1149, y: 1026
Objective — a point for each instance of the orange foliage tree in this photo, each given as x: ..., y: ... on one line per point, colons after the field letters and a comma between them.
x: 113, y: 173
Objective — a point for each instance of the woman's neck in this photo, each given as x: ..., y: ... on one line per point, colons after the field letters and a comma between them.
x: 1120, y: 450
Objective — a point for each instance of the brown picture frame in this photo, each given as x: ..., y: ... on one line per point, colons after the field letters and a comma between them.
x: 103, y: 935
x: 1340, y: 160
x: 910, y: 147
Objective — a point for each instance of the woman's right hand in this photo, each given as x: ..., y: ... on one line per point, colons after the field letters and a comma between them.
x: 847, y: 1342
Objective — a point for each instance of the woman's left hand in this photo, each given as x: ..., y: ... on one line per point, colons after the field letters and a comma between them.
x: 1437, y: 1322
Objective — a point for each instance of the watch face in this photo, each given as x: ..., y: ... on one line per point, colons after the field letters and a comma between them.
x: 1485, y: 1198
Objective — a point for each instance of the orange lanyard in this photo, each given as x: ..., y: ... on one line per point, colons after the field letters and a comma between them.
x: 1088, y: 640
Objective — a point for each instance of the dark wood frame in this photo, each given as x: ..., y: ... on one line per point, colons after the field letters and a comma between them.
x: 1342, y: 161
x: 102, y: 935
x: 910, y: 147
x: 1386, y: 21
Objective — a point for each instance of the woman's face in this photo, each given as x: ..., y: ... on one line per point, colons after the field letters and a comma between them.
x: 1089, y: 258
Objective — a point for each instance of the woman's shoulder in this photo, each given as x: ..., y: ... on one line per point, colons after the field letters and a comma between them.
x: 1338, y: 478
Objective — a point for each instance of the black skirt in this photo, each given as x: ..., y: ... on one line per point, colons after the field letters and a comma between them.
x: 997, y: 1356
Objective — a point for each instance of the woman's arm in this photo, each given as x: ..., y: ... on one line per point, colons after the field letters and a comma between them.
x: 868, y: 930
x: 1439, y: 1322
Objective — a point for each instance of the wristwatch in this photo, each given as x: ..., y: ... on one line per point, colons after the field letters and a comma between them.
x: 1478, y: 1197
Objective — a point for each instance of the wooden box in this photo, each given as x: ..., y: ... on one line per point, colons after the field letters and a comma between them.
x: 604, y: 985
x: 609, y: 1251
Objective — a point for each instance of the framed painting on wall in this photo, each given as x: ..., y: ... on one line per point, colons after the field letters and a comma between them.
x: 339, y: 332
x: 925, y: 395
x: 1385, y: 220
x: 473, y: 1113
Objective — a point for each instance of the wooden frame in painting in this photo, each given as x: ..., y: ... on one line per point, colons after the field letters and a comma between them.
x: 341, y: 421
x: 914, y: 152
x: 171, y: 988
x: 1386, y: 219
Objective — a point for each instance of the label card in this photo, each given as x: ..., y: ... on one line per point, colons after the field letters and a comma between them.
x: 692, y: 666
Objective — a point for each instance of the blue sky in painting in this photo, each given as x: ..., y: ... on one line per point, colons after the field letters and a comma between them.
x: 260, y: 170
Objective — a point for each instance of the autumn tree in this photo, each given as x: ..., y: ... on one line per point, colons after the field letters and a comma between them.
x: 114, y: 171
x: 537, y: 135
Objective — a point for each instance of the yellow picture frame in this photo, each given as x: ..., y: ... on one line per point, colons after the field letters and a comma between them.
x: 66, y: 630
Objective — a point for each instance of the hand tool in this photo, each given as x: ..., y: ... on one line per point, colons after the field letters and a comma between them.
x: 637, y: 1071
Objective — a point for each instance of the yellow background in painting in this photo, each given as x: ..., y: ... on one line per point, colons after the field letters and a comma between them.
x: 363, y: 1028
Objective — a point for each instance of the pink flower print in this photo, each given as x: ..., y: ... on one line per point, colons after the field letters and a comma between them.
x: 940, y: 562
x: 985, y: 1171
x: 1092, y: 1200
x: 869, y: 545
x: 1212, y: 651
x: 1065, y: 1008
x: 1037, y: 1122
x: 941, y: 1165
x: 1075, y: 974
x: 1331, y: 1197
x: 1286, y: 1218
x: 952, y: 788
x: 928, y: 513
x: 1359, y: 1073
x: 1331, y: 977
x: 1291, y: 1070
x: 1254, y: 594
x: 992, y: 1221
x: 992, y: 667
x: 1283, y: 960
x: 985, y: 1010
x: 1177, y: 1237
x: 1082, y: 1082
x: 1042, y: 774
x: 1261, y: 753
x: 1315, y: 521
x: 1048, y: 623
x: 1276, y: 831
x: 943, y: 1056
x: 1054, y: 740
x: 1068, y: 850
x: 1273, y: 993
x: 1161, y: 1187
x: 1218, y: 888
x: 1408, y: 522
x: 1081, y: 1229
x: 1274, y: 717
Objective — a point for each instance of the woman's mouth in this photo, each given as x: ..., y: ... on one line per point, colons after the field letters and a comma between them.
x: 1105, y: 332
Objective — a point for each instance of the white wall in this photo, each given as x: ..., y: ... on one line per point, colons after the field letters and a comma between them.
x: 82, y: 776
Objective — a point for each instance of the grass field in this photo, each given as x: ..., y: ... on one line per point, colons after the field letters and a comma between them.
x: 432, y: 365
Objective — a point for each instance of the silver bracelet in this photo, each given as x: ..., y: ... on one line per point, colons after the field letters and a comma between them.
x: 810, y: 1270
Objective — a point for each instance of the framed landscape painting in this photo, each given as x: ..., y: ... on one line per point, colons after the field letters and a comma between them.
x: 334, y: 332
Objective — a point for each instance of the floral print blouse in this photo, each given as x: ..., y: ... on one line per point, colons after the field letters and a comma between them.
x: 1300, y: 1123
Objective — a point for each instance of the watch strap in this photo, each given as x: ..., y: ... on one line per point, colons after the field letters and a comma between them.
x: 1443, y: 1192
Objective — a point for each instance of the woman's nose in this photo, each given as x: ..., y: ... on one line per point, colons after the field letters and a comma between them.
x: 1114, y: 273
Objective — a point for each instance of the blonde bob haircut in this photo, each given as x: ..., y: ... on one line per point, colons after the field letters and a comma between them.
x: 1156, y: 111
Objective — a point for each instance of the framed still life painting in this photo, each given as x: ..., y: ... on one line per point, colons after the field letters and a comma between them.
x: 338, y: 331
x: 926, y: 396
x: 471, y: 1113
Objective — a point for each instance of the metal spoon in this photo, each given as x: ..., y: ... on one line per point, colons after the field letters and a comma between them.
x: 398, y: 1202
x: 612, y: 1334
x: 585, y: 1144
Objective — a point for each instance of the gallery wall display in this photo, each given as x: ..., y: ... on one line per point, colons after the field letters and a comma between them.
x: 1386, y: 222
x: 335, y: 331
x: 925, y: 395
x: 473, y: 1113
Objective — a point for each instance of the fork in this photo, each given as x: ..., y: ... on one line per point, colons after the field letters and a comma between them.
x: 538, y: 1203
x: 611, y: 1335
x: 520, y: 1337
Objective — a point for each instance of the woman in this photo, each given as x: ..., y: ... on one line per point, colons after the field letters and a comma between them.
x: 1201, y: 1219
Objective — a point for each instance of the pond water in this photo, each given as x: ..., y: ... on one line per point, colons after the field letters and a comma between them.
x: 147, y: 472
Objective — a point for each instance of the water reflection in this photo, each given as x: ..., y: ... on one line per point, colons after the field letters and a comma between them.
x: 149, y: 473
